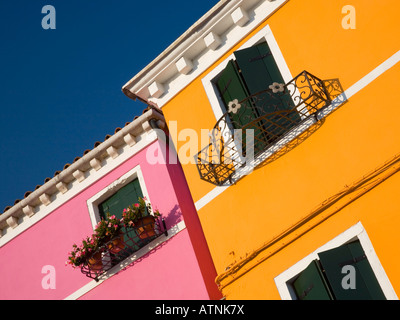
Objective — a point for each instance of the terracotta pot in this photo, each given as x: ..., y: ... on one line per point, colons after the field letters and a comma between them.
x: 95, y: 262
x: 145, y: 227
x: 117, y: 244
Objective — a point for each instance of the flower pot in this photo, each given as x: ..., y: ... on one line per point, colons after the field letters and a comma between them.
x: 95, y: 262
x: 117, y: 244
x: 145, y: 227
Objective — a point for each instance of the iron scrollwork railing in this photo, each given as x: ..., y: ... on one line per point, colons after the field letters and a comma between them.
x: 117, y: 250
x: 270, y: 115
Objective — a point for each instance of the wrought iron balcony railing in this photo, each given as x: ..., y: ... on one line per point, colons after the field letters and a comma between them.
x: 269, y: 115
x: 118, y: 249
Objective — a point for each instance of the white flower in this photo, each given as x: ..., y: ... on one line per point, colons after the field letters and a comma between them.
x: 234, y: 106
x: 277, y: 87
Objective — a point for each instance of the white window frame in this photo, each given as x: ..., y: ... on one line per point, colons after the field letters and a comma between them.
x: 264, y: 34
x: 111, y: 189
x: 93, y: 204
x: 357, y: 232
x: 218, y: 106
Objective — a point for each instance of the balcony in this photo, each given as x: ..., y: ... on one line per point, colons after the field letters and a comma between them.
x: 251, y: 126
x: 118, y: 250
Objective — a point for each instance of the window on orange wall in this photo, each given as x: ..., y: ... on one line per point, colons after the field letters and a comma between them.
x: 326, y: 279
x: 246, y: 80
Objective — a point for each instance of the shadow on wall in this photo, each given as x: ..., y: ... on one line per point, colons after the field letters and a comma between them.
x: 173, y: 216
x: 292, y: 144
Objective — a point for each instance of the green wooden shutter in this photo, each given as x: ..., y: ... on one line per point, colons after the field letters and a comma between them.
x: 123, y: 198
x: 259, y: 70
x: 258, y: 67
x: 366, y: 284
x: 310, y: 284
x: 231, y: 86
x: 115, y: 205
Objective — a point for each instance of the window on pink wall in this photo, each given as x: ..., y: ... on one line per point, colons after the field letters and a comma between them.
x: 123, y: 198
x: 114, y: 205
x: 112, y: 200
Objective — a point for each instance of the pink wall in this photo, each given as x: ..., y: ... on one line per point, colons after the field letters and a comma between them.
x: 49, y: 241
x: 168, y: 273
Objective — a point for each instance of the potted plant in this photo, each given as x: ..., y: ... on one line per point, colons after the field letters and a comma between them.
x: 108, y: 231
x: 86, y: 253
x: 138, y: 216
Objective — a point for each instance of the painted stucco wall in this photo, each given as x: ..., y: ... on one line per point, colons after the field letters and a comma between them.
x: 172, y: 267
x: 352, y: 142
x: 169, y: 272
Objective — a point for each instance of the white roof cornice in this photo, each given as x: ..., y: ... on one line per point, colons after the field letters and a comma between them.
x: 198, y: 48
x: 129, y: 140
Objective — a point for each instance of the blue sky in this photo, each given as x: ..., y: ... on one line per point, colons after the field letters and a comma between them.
x: 60, y: 90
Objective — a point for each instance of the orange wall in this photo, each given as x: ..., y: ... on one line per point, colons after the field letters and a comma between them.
x: 351, y: 142
x: 311, y: 37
